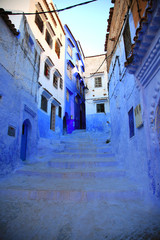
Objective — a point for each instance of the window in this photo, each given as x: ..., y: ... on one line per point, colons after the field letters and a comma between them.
x: 46, y: 70
x: 98, y: 82
x: 53, y: 117
x: 77, y: 64
x: 77, y: 83
x: 67, y: 96
x: 69, y: 50
x: 131, y: 123
x: 48, y: 38
x: 81, y: 89
x: 60, y: 111
x: 61, y: 83
x: 127, y: 39
x: 55, y: 80
x: 76, y: 100
x: 31, y: 43
x: 57, y: 48
x: 39, y: 22
x: 69, y: 71
x: 100, y: 108
x: 44, y: 103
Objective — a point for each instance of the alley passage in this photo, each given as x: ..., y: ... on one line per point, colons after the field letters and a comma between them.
x: 74, y: 190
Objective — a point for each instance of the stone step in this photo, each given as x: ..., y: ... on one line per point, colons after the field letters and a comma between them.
x: 81, y: 164
x: 56, y: 189
x: 68, y: 173
x: 87, y: 149
x: 81, y: 155
x: 73, y: 196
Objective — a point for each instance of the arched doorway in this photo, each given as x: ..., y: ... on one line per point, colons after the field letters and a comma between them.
x: 26, y: 128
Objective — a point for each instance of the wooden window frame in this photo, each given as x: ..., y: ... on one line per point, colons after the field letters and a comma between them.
x: 39, y: 22
x: 57, y: 48
x: 46, y: 70
x: 55, y: 80
x: 48, y: 38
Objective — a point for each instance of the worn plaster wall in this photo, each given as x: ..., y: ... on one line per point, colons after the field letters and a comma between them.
x: 139, y: 153
x: 76, y: 102
x: 97, y: 95
x: 18, y: 101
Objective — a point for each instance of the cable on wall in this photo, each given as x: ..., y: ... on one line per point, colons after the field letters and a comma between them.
x: 52, y: 11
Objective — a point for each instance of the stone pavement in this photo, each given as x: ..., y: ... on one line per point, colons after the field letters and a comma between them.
x: 75, y: 190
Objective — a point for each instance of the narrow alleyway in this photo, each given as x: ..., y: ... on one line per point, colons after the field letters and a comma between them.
x: 75, y: 190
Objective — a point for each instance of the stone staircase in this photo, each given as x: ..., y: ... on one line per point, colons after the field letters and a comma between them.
x: 76, y: 184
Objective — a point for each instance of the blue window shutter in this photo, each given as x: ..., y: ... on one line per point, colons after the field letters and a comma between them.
x: 131, y: 123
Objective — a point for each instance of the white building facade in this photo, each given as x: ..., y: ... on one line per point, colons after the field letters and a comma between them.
x: 50, y: 36
x: 96, y: 95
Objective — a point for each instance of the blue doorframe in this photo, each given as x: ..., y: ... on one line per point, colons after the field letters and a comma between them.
x: 25, y: 128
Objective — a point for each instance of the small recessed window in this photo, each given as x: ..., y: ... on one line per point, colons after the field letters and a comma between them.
x: 67, y: 96
x: 48, y: 38
x: 39, y: 21
x: 57, y: 48
x: 55, y: 80
x: 44, y: 103
x: 76, y: 100
x: 69, y: 50
x: 31, y: 43
x: 131, y: 123
x: 60, y: 111
x: 98, y: 82
x: 77, y: 83
x: 69, y: 71
x: 100, y: 108
x: 127, y: 39
x: 61, y: 83
x: 46, y: 70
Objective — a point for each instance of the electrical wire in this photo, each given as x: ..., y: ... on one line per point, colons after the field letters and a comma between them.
x: 52, y: 11
x: 106, y: 58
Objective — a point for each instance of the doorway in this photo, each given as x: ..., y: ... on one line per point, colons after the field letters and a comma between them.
x: 53, y: 116
x: 24, y: 138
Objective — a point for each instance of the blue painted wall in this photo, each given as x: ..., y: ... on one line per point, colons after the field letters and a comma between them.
x: 18, y: 96
x: 138, y: 84
x: 44, y: 125
x: 71, y: 107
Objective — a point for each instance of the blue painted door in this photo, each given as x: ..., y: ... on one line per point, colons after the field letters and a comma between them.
x: 24, y: 141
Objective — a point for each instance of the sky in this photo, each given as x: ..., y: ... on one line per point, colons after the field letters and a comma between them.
x: 88, y: 23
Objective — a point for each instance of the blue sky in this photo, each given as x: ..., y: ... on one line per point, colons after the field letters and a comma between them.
x: 88, y: 23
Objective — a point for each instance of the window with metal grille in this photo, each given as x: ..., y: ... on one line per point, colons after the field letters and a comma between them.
x: 55, y: 80
x: 98, y: 82
x: 131, y: 123
x: 44, y: 103
x: 100, y: 108
x: 46, y: 70
x: 57, y: 48
x: 48, y: 38
x: 61, y: 83
x: 39, y: 22
x: 127, y: 39
x: 60, y: 111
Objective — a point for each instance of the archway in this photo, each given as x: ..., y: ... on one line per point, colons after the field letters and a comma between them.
x: 26, y: 128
